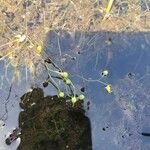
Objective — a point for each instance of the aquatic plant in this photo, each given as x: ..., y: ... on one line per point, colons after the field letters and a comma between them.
x: 56, y: 74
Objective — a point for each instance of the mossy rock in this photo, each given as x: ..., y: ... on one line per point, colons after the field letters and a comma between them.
x: 53, y: 124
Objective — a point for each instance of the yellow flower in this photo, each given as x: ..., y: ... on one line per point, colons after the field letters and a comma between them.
x: 39, y: 48
x: 109, y: 88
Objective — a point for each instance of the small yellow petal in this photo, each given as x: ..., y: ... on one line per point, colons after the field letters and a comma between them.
x: 109, y: 88
x: 39, y: 48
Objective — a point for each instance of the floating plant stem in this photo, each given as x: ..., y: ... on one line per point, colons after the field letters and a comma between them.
x: 63, y: 76
x: 56, y: 66
x: 50, y: 70
x: 91, y: 80
x: 74, y: 90
x: 51, y: 80
x: 49, y: 61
